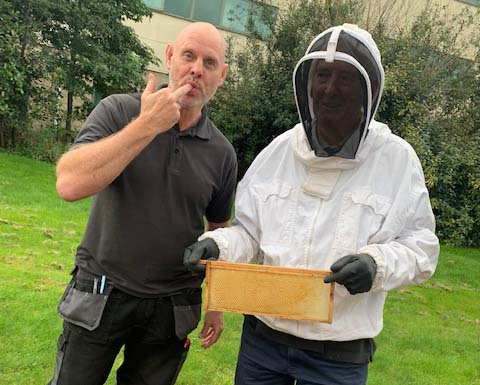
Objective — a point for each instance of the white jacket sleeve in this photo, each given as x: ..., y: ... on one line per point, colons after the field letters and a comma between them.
x: 240, y: 242
x: 410, y: 254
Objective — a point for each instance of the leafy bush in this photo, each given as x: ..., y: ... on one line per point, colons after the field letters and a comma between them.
x: 61, y: 47
x: 431, y: 97
x: 41, y: 144
x: 256, y: 104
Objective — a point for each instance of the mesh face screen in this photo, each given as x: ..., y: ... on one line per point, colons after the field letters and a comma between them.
x: 355, y: 48
x: 269, y: 290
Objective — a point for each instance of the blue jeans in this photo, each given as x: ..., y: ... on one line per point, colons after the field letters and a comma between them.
x: 262, y: 361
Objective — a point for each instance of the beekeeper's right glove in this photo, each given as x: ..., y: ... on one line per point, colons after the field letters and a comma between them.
x: 204, y: 249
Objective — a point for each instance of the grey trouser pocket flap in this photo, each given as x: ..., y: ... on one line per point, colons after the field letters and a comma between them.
x: 187, y: 318
x: 187, y: 309
x: 82, y: 308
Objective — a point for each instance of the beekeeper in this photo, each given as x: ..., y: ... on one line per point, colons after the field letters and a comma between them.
x: 338, y: 191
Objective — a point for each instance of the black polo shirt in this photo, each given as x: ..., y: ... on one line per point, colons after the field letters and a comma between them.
x: 140, y: 225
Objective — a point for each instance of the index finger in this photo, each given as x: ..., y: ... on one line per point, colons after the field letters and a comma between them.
x: 339, y: 276
x: 181, y: 91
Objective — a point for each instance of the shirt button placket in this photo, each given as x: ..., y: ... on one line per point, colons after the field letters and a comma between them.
x: 177, y: 149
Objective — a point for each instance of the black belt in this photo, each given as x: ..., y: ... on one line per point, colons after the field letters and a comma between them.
x: 84, y: 281
x: 355, y: 352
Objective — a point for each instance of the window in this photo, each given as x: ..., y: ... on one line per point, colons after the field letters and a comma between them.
x: 154, y: 4
x: 236, y: 15
x: 262, y: 18
x: 473, y: 2
x: 207, y: 10
x: 180, y: 8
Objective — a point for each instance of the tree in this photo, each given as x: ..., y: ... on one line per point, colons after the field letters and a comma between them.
x: 11, y: 77
x: 22, y: 66
x: 257, y: 103
x: 431, y: 100
x: 51, y: 46
x: 431, y: 96
x: 95, y: 51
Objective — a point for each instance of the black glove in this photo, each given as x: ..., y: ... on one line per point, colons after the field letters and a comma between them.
x: 204, y: 249
x: 355, y: 272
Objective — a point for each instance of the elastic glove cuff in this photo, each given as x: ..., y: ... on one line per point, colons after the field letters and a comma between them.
x: 377, y: 257
x: 219, y: 240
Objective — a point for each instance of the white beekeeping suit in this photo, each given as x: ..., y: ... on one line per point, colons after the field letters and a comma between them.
x: 302, y: 205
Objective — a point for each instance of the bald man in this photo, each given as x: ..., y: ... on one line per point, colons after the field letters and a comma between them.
x: 156, y: 166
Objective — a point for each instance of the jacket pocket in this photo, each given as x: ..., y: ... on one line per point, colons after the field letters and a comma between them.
x: 82, y: 308
x: 276, y: 205
x: 362, y: 214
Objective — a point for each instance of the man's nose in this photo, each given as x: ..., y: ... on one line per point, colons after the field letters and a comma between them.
x: 331, y: 84
x: 197, y: 68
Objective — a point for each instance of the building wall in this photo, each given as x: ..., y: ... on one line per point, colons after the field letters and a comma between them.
x: 162, y: 29
x: 401, y: 13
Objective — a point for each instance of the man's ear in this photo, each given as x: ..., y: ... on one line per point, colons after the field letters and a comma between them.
x: 168, y: 55
x: 224, y: 74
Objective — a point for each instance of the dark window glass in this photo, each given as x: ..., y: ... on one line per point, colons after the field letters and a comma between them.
x: 154, y: 4
x: 235, y: 15
x: 208, y: 10
x: 473, y: 2
x: 181, y: 8
x: 263, y: 19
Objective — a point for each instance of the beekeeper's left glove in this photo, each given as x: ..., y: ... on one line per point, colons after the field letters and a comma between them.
x: 355, y: 272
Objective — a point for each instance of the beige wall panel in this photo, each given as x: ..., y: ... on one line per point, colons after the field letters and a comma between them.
x: 401, y: 13
x: 161, y: 30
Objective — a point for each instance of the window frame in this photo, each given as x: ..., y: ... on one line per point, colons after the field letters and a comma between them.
x: 251, y: 5
x: 473, y: 3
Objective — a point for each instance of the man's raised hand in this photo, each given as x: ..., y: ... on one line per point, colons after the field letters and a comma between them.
x: 160, y: 109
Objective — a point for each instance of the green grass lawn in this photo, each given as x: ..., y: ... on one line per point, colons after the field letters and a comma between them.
x: 431, y: 334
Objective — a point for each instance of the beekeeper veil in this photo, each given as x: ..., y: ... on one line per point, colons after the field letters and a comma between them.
x: 345, y: 46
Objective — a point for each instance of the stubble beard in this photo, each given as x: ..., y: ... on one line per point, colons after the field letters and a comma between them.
x: 196, y: 102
